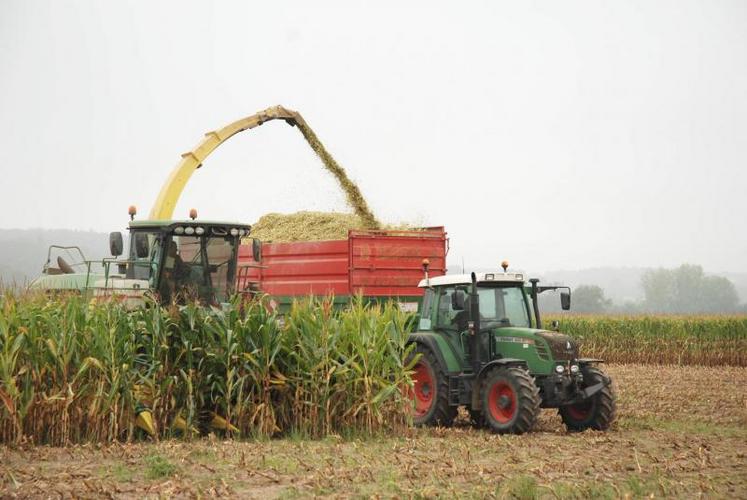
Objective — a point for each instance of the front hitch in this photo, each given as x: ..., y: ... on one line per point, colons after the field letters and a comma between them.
x: 593, y: 389
x: 588, y: 392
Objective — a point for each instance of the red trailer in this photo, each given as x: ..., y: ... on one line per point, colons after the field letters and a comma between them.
x: 376, y: 264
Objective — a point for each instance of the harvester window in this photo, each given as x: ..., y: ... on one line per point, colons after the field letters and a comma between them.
x: 198, y: 267
x: 143, y: 267
x: 182, y: 269
x: 219, y: 253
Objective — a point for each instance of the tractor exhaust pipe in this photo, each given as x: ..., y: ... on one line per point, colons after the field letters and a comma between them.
x: 474, y: 326
x: 535, y: 305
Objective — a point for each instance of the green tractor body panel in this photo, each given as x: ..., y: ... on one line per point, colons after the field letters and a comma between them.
x: 527, y: 344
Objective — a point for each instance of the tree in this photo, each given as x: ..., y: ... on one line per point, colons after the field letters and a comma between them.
x: 590, y: 299
x: 687, y: 289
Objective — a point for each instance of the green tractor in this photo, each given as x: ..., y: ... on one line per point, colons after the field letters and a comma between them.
x: 167, y: 260
x: 480, y: 344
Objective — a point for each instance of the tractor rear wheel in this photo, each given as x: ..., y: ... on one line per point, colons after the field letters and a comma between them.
x: 510, y: 400
x: 430, y: 391
x: 597, y: 412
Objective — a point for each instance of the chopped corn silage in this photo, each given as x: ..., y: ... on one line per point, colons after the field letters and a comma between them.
x: 353, y: 195
x: 310, y: 226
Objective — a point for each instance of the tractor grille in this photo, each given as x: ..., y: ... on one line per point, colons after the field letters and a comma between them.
x: 542, y: 351
x: 559, y: 344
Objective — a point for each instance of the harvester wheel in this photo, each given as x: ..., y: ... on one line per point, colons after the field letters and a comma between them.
x: 430, y: 392
x: 598, y: 412
x: 510, y: 400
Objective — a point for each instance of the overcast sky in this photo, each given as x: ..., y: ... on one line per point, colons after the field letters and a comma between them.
x: 558, y: 135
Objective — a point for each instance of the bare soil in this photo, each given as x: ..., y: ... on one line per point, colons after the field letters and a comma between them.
x: 681, y: 432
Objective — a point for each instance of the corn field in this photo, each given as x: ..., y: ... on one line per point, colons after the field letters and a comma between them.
x: 78, y: 371
x: 661, y: 339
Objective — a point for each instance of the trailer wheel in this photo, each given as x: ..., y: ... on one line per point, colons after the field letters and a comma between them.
x: 510, y: 400
x: 598, y: 412
x: 430, y: 391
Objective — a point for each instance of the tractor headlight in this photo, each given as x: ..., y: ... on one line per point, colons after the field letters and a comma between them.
x: 574, y: 369
x: 559, y: 369
x: 234, y: 232
x: 179, y: 230
x: 199, y: 231
x: 189, y: 230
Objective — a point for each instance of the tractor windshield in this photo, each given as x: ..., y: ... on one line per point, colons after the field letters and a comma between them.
x: 503, y: 307
x: 200, y: 267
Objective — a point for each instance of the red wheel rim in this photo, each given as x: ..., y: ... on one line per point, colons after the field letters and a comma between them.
x: 502, y: 402
x: 579, y: 411
x: 423, y: 389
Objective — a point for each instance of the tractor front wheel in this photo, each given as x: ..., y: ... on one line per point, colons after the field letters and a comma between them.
x: 510, y: 400
x: 430, y: 391
x: 597, y: 412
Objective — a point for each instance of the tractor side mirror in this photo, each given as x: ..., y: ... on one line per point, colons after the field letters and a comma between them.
x: 565, y: 300
x: 142, y: 249
x: 457, y: 300
x: 115, y: 243
x: 256, y: 250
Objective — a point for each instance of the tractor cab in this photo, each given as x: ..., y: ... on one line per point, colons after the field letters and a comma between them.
x: 480, y: 344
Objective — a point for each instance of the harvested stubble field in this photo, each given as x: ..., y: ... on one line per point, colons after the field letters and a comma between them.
x: 681, y: 432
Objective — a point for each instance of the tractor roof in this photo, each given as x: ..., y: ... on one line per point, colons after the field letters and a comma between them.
x: 466, y: 279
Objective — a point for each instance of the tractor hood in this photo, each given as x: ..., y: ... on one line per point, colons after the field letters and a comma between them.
x: 550, y: 345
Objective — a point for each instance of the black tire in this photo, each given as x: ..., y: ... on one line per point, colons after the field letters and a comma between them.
x: 476, y: 419
x: 510, y: 400
x: 431, y: 391
x: 598, y: 412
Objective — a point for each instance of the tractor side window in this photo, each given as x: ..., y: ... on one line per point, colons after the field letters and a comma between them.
x: 449, y: 318
x: 444, y: 313
x: 425, y: 310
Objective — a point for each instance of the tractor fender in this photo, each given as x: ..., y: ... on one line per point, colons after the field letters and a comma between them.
x: 477, y: 382
x: 430, y: 343
x: 588, y: 361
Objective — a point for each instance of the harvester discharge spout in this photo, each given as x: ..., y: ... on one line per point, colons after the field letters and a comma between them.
x: 172, y: 189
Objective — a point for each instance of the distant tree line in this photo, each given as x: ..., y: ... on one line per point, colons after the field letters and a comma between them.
x: 682, y: 290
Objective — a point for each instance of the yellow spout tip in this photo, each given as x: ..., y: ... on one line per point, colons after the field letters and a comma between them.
x: 145, y: 422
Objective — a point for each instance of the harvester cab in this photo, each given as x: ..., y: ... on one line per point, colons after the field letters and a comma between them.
x: 480, y: 344
x: 169, y: 260
x: 185, y: 260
